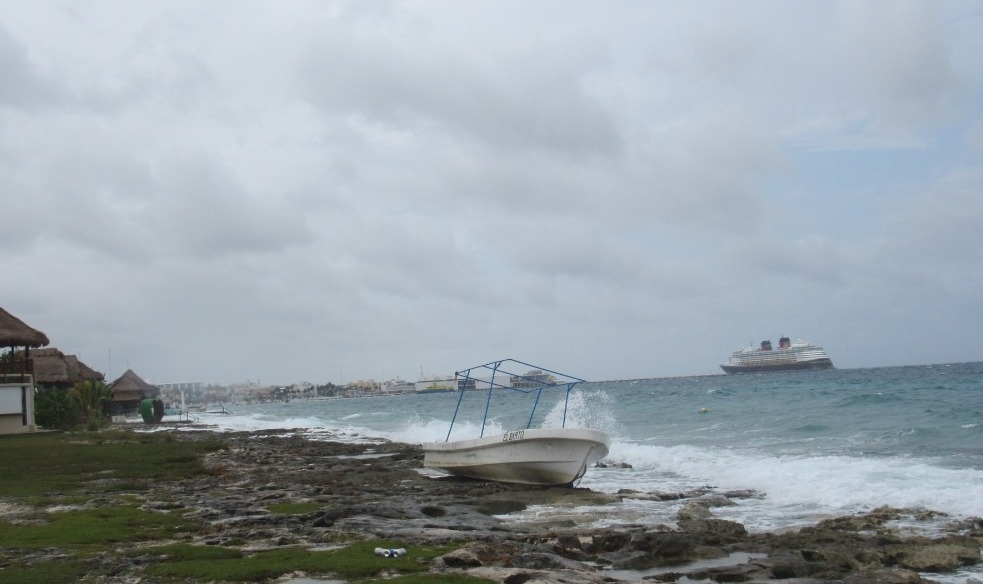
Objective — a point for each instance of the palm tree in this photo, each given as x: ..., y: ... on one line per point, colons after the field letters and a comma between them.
x: 91, y: 395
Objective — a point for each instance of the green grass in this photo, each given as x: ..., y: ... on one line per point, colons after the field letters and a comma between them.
x: 54, y: 572
x: 355, y: 561
x: 91, y: 529
x: 36, y: 464
x: 184, y: 552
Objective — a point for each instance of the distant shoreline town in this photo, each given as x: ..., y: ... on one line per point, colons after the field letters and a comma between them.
x: 194, y: 394
x: 253, y: 392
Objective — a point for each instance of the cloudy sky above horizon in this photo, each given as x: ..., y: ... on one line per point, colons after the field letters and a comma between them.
x: 224, y: 191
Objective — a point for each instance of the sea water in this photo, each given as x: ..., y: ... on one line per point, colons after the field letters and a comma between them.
x: 805, y: 445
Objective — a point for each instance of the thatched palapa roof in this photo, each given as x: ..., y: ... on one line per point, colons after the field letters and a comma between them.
x: 130, y: 386
x: 52, y: 367
x: 14, y: 333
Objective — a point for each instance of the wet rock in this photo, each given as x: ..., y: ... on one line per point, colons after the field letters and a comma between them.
x: 741, y: 573
x: 609, y: 464
x: 885, y: 576
x: 462, y: 558
x: 501, y: 506
x: 714, y: 531
x: 607, y: 541
x: 545, y: 561
x: 673, y: 546
x: 941, y: 557
x: 694, y: 510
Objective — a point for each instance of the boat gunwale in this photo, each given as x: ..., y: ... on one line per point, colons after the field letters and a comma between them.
x: 538, y: 435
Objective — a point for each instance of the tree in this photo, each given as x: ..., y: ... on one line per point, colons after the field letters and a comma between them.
x: 54, y: 409
x: 91, y: 396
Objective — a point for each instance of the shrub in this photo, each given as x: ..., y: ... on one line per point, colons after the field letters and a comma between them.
x: 55, y: 409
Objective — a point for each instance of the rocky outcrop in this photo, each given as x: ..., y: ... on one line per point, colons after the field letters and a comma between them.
x: 378, y: 491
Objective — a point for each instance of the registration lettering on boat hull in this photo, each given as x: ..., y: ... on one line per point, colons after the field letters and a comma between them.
x: 513, y: 435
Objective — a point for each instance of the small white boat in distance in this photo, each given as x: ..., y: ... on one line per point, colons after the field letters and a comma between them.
x: 536, y: 456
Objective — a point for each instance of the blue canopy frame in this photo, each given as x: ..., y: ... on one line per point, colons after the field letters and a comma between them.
x: 534, y: 380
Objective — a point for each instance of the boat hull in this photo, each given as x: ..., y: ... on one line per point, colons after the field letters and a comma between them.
x: 791, y: 366
x: 542, y: 456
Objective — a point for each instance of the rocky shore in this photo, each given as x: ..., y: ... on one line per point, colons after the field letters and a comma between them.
x: 377, y: 491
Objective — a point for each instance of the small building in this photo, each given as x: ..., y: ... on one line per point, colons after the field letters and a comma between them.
x: 17, y: 373
x: 535, y: 378
x: 129, y: 390
x: 56, y: 370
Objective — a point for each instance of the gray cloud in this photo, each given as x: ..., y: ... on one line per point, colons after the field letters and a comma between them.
x: 356, y: 189
x: 22, y: 85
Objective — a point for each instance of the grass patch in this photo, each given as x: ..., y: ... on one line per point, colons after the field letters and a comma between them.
x: 183, y: 552
x: 92, y: 529
x: 36, y: 464
x: 293, y: 508
x: 355, y: 561
x: 54, y: 572
x: 39, y: 470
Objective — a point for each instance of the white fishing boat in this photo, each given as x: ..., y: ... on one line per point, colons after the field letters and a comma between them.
x: 538, y: 456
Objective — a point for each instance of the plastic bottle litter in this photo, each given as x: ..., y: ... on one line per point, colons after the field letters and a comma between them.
x: 390, y: 553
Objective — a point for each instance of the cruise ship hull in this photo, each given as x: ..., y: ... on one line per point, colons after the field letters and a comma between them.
x: 793, y: 366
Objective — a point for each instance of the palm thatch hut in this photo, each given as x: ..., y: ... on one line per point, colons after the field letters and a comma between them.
x: 15, y: 335
x: 17, y: 373
x: 129, y: 390
x: 56, y: 370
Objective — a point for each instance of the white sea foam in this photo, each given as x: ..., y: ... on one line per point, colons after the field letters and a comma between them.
x: 584, y: 409
x: 795, y: 489
x: 420, y: 431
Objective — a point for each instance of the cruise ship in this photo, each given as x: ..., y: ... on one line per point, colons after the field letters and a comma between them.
x: 788, y: 356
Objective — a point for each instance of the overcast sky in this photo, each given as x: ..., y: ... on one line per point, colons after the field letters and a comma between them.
x: 329, y: 191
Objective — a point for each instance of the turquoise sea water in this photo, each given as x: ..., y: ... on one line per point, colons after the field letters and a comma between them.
x: 810, y: 444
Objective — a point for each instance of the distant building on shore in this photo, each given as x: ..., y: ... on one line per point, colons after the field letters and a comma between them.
x: 17, y: 373
x: 129, y: 390
x: 54, y: 370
